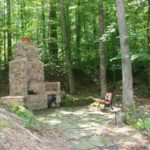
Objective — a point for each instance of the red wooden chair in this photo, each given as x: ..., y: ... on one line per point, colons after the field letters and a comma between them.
x: 107, y: 100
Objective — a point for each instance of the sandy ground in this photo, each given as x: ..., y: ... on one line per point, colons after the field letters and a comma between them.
x: 81, y: 128
x: 88, y: 128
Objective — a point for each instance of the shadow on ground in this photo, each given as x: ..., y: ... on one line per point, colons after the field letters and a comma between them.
x: 88, y: 128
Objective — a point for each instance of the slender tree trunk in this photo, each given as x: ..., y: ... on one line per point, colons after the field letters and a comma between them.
x: 0, y: 52
x: 53, y: 47
x: 37, y: 36
x: 4, y: 40
x: 9, y: 34
x: 67, y: 47
x: 148, y: 25
x: 68, y: 26
x: 5, y: 53
x: 22, y: 17
x: 94, y: 29
x: 43, y: 25
x: 78, y: 33
x: 125, y: 54
x: 85, y: 32
x: 102, y: 52
x: 1, y: 40
x: 148, y: 38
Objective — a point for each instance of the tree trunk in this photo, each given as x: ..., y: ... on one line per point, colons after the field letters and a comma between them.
x: 1, y: 40
x: 4, y: 41
x: 53, y: 47
x: 148, y: 25
x: 78, y: 32
x: 94, y: 31
x: 9, y: 35
x: 126, y: 62
x: 37, y: 36
x: 43, y: 26
x: 102, y: 52
x: 67, y: 48
x: 0, y: 52
x: 148, y: 38
x: 5, y: 54
x: 22, y: 17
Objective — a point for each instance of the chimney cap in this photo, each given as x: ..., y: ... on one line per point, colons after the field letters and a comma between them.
x: 26, y: 39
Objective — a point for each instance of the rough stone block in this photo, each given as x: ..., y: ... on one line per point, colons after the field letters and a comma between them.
x: 36, y: 101
x: 53, y: 88
x: 19, y: 100
x: 26, y: 76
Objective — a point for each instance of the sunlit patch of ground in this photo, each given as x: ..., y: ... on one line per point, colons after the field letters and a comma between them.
x: 88, y: 128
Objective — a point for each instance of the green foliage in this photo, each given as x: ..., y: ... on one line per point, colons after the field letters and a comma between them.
x: 143, y: 124
x: 143, y: 90
x: 137, y: 118
x: 72, y: 101
x: 110, y: 29
x: 26, y: 116
x: 31, y: 18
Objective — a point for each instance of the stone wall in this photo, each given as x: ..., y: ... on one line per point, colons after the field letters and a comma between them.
x: 53, y: 88
x: 26, y: 79
x: 26, y: 76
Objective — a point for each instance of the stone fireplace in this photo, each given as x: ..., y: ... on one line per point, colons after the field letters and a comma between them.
x: 26, y: 79
x: 26, y: 76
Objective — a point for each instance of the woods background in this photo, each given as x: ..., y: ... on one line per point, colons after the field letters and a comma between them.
x: 69, y: 33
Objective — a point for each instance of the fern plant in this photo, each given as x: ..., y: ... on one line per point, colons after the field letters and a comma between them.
x: 25, y: 115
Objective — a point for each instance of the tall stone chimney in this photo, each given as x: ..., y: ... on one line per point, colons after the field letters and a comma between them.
x: 26, y: 75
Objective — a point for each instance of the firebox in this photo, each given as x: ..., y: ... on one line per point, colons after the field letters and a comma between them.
x: 26, y: 76
x: 33, y: 87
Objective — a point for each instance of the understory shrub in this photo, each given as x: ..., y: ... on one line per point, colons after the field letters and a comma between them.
x: 143, y: 123
x: 72, y: 101
x: 137, y: 118
x: 26, y: 116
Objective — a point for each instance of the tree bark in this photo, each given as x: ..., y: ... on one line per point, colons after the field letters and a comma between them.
x: 148, y: 38
x: 94, y: 32
x: 148, y: 25
x: 1, y: 40
x: 102, y: 52
x: 78, y: 33
x: 53, y: 47
x: 0, y: 52
x: 22, y: 16
x: 9, y: 35
x: 125, y: 55
x: 4, y: 41
x: 67, y: 48
x: 43, y: 25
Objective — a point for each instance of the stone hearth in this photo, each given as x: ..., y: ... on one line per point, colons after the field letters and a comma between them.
x: 26, y: 78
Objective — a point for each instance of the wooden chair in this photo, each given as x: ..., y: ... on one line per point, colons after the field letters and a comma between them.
x: 107, y: 100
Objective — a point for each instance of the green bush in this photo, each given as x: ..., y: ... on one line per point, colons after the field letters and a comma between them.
x: 26, y: 116
x: 72, y: 101
x: 137, y: 118
x: 143, y: 124
x: 143, y: 90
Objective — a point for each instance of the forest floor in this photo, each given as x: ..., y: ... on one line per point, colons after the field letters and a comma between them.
x: 88, y: 128
x: 14, y: 136
x: 78, y: 128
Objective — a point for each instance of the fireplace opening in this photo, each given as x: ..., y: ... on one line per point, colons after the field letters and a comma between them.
x: 33, y: 87
x: 30, y: 92
x: 51, y: 100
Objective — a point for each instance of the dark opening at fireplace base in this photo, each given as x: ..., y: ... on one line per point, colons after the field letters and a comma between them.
x: 31, y: 92
x: 51, y: 99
